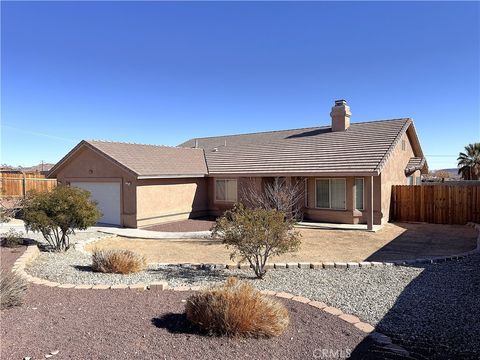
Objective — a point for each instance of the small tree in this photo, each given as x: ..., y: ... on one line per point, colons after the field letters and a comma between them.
x: 280, y: 195
x: 256, y: 234
x: 58, y: 213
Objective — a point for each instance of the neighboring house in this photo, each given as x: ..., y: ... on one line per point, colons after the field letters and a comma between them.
x: 348, y: 170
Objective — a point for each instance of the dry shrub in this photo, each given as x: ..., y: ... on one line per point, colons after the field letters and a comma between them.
x: 117, y: 261
x: 12, y: 289
x: 237, y: 309
x: 12, y: 239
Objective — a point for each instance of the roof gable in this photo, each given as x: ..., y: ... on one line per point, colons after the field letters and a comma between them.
x: 146, y: 161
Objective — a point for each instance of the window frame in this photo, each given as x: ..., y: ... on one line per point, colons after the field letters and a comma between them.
x: 363, y: 193
x: 330, y: 194
x: 226, y: 192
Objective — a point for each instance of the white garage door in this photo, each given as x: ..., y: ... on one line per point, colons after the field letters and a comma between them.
x: 107, y: 195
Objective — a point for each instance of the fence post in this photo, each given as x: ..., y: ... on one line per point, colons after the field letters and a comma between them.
x: 24, y: 185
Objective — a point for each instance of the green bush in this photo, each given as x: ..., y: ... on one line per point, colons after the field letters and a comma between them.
x: 256, y: 234
x: 12, y: 239
x: 58, y: 213
x: 12, y: 289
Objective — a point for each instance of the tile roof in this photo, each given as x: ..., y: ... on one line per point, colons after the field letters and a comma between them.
x: 414, y: 164
x: 149, y: 160
x: 362, y: 148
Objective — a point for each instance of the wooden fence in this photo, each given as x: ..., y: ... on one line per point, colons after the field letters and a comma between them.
x: 439, y: 204
x: 18, y: 184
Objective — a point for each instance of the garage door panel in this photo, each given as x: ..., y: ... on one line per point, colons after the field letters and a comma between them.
x: 107, y: 196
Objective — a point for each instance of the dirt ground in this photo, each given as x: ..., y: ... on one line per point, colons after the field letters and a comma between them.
x: 392, y: 242
x: 127, y: 324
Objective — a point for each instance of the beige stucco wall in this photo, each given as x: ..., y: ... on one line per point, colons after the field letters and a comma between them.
x: 350, y: 215
x: 164, y: 200
x: 217, y: 208
x: 394, y: 173
x: 88, y: 165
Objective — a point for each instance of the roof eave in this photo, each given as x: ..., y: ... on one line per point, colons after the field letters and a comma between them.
x: 299, y: 174
x: 170, y: 176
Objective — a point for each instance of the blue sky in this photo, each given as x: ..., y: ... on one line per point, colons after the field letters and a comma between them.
x: 161, y: 73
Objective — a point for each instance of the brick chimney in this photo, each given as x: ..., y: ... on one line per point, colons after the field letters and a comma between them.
x: 340, y: 116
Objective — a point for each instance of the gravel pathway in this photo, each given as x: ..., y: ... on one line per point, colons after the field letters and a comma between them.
x: 351, y: 290
x: 430, y: 309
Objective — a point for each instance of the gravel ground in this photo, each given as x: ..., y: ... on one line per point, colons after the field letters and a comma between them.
x: 432, y: 309
x: 125, y: 324
x: 78, y: 236
x: 350, y: 290
x: 74, y: 267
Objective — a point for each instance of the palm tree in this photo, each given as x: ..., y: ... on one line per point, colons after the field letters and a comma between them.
x: 469, y: 162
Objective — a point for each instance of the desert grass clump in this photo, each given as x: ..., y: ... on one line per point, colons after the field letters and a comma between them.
x: 117, y: 261
x: 12, y: 290
x: 237, y: 309
x: 12, y: 239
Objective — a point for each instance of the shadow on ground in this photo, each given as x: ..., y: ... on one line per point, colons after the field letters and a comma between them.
x: 423, y: 240
x: 437, y: 316
x: 176, y: 324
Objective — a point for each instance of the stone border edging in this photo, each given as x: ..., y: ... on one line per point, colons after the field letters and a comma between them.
x: 378, y: 338
x: 80, y: 246
x: 381, y: 340
x: 32, y: 252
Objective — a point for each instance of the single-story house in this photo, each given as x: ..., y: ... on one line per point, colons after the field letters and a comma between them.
x: 348, y: 170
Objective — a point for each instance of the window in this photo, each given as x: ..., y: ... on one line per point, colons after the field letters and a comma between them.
x: 404, y: 145
x: 330, y: 193
x: 226, y: 190
x: 410, y: 180
x: 359, y: 193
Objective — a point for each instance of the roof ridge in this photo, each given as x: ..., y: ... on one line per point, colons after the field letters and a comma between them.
x: 90, y: 141
x: 294, y: 129
x: 253, y: 133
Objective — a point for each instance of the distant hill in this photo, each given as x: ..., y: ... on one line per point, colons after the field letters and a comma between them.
x: 452, y: 171
x: 40, y: 168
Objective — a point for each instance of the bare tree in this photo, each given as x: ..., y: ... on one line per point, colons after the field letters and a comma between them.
x: 9, y: 206
x: 281, y: 195
x: 442, y: 174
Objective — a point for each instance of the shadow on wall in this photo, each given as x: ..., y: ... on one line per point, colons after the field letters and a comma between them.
x: 437, y: 315
x: 423, y: 240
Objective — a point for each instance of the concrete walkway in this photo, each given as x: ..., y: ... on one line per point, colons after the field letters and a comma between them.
x: 148, y: 234
x: 331, y: 226
x: 18, y: 225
